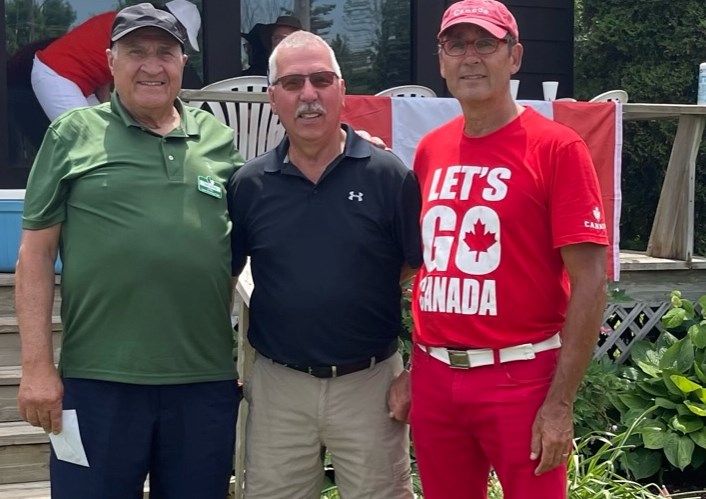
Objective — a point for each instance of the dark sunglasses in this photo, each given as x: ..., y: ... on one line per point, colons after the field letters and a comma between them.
x: 320, y: 79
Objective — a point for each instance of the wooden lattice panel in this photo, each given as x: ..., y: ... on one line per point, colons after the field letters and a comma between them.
x: 626, y: 323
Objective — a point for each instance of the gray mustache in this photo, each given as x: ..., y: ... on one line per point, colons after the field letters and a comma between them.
x: 311, y: 107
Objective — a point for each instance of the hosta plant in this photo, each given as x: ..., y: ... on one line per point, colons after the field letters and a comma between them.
x: 668, y: 381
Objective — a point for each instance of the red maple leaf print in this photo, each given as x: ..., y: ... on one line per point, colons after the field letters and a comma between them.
x: 478, y: 239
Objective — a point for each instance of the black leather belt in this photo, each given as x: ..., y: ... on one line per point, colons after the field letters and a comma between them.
x: 342, y: 370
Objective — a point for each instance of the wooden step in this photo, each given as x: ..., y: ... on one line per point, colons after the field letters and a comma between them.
x: 10, y: 341
x: 28, y: 490
x: 24, y: 453
x: 9, y: 384
x: 42, y: 490
x: 37, y: 490
x: 7, y: 295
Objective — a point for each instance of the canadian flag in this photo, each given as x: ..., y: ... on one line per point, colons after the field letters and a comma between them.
x: 402, y: 121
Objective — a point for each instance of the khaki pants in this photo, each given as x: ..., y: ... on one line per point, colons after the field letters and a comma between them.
x: 292, y: 415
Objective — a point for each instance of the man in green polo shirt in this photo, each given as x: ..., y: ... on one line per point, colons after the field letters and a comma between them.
x: 132, y: 192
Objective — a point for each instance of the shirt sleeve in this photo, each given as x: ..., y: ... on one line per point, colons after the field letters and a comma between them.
x: 407, y: 212
x: 576, y: 209
x: 238, y: 243
x: 48, y: 184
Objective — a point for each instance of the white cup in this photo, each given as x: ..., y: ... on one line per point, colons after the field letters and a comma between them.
x: 549, y: 88
x: 514, y: 87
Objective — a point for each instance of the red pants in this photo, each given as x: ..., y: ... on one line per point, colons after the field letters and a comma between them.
x: 465, y: 421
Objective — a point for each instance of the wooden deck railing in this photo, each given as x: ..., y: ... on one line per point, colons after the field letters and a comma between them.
x: 672, y: 234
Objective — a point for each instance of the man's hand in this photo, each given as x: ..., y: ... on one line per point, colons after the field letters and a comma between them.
x: 552, y: 433
x: 376, y: 141
x: 399, y: 397
x: 39, y: 398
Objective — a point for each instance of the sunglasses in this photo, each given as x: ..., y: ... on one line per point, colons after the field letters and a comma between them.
x: 295, y: 82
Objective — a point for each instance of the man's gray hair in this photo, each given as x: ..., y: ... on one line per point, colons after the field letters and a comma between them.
x: 300, y: 39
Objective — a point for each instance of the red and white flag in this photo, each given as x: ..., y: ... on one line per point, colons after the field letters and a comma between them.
x: 402, y: 121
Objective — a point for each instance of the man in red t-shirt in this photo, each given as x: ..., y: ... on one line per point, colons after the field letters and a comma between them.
x: 509, y: 300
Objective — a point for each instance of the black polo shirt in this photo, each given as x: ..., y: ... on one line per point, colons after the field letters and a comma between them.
x: 326, y: 257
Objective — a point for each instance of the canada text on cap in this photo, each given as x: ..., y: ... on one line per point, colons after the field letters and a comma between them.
x: 490, y: 15
x: 144, y: 15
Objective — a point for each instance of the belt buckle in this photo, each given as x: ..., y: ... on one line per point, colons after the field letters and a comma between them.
x: 458, y: 359
x: 322, y: 371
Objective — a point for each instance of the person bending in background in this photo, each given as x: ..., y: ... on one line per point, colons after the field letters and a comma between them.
x: 72, y: 71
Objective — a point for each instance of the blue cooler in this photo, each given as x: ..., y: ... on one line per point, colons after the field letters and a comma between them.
x: 11, y: 204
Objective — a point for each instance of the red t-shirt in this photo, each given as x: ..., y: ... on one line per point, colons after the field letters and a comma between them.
x: 79, y: 55
x: 496, y: 210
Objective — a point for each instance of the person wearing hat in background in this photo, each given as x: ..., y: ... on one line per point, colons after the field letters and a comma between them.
x: 281, y: 28
x: 263, y: 38
x: 256, y: 51
x: 133, y: 192
x: 508, y: 303
x: 73, y: 72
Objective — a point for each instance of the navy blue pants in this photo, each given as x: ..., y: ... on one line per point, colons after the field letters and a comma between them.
x: 182, y: 435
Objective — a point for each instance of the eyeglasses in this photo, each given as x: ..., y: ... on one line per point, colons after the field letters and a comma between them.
x: 455, y: 47
x: 295, y: 82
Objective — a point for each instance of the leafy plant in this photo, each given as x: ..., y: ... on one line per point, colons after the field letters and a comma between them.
x: 594, y: 409
x: 668, y: 380
x: 593, y: 471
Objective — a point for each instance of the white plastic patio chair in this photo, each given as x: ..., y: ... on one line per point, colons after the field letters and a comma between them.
x: 408, y: 91
x: 256, y: 128
x: 611, y: 96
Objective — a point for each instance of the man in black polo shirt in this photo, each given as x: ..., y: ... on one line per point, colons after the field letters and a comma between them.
x: 331, y: 225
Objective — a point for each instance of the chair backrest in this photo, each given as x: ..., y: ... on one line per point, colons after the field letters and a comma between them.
x: 256, y: 128
x: 611, y: 96
x: 408, y: 91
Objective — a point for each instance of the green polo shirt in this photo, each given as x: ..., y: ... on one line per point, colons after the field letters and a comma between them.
x: 146, y: 284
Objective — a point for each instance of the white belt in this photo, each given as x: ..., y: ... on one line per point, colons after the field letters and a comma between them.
x: 477, y: 357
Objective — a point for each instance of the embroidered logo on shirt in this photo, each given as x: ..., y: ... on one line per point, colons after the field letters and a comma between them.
x: 595, y: 225
x: 358, y: 196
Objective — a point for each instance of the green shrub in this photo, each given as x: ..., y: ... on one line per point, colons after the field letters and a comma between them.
x: 593, y: 469
x: 668, y: 381
x: 594, y: 409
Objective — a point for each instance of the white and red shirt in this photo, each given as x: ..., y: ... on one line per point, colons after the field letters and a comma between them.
x: 496, y: 210
x: 79, y: 55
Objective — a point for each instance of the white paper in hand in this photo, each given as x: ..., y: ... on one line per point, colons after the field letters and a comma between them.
x: 67, y: 444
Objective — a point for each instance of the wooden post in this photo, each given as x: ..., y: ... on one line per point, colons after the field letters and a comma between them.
x: 672, y: 233
x: 302, y: 9
x: 246, y: 357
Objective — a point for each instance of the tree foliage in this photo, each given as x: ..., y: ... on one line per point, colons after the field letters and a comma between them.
x: 651, y: 49
x: 391, y: 63
x: 27, y: 22
x: 320, y: 22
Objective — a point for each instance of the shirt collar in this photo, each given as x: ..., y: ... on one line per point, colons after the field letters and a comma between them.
x: 187, y: 126
x: 355, y: 147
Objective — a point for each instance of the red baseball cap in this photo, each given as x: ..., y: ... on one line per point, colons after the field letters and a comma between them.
x: 490, y: 15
